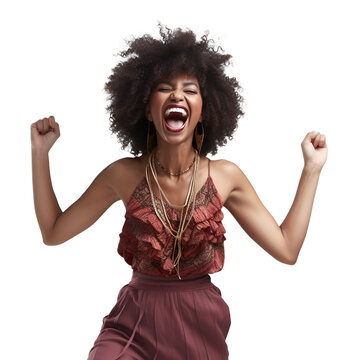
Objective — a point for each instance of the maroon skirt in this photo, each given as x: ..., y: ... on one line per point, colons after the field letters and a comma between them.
x: 157, y: 318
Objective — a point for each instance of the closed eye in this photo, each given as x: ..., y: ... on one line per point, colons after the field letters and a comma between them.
x: 169, y: 89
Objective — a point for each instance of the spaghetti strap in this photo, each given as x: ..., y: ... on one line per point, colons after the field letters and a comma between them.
x: 208, y: 167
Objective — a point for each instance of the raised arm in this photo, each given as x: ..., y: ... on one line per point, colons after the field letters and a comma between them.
x: 58, y: 226
x: 248, y: 210
x: 285, y: 241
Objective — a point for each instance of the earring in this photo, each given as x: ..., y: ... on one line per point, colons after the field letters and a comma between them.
x: 199, y: 136
x: 150, y: 137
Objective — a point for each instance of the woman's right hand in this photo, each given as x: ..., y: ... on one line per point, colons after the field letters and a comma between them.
x: 44, y: 133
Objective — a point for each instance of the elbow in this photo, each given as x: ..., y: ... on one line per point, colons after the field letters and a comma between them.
x: 287, y: 257
x: 51, y: 235
x: 52, y: 238
x: 290, y: 260
x: 51, y: 241
x: 289, y: 253
x: 287, y: 260
x: 46, y: 239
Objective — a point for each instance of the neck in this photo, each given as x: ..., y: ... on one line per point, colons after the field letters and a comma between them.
x: 175, y: 158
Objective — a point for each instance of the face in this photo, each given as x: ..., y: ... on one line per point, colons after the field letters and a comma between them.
x: 175, y: 107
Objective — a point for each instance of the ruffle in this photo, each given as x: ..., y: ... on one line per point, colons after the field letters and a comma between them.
x: 147, y: 245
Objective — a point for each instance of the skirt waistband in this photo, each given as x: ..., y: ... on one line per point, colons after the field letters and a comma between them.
x: 144, y: 281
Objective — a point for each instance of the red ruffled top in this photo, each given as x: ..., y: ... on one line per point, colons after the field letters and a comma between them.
x: 147, y: 245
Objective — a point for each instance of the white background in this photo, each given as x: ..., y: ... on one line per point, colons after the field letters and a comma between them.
x: 298, y: 62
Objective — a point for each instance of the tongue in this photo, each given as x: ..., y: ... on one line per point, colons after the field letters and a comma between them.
x: 175, y: 124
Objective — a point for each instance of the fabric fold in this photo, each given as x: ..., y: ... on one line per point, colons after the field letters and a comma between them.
x: 129, y: 342
x: 147, y: 245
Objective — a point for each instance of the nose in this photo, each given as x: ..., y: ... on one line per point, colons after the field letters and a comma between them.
x: 176, y: 95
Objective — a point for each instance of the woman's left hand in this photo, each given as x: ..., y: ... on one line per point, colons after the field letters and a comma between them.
x: 314, y: 149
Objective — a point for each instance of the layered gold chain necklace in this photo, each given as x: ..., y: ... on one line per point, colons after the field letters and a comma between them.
x: 185, y: 208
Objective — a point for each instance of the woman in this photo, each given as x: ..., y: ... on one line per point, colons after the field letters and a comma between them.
x: 171, y: 103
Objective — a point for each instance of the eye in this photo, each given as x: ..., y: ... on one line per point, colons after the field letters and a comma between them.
x: 164, y: 89
x: 191, y: 91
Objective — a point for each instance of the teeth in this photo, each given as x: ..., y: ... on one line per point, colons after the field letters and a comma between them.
x: 175, y: 109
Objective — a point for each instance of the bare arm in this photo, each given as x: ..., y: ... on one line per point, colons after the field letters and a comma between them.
x: 44, y: 133
x: 296, y: 223
x: 57, y: 226
x: 246, y: 207
x: 282, y: 242
x: 85, y: 211
x: 46, y: 205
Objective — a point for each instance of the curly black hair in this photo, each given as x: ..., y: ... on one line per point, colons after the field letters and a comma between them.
x: 146, y: 61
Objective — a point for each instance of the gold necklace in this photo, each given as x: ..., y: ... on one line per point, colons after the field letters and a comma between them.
x: 171, y: 173
x: 161, y: 191
x: 163, y: 217
x: 191, y: 191
x: 190, y: 194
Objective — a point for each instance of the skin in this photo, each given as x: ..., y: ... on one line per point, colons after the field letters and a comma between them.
x: 174, y: 150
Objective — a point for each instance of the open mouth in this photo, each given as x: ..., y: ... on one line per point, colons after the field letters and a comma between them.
x: 175, y: 118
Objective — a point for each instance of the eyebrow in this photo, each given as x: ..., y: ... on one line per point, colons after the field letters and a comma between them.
x: 187, y: 83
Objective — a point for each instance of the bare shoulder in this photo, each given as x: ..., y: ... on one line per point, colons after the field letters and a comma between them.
x: 227, y: 177
x: 127, y: 164
x: 225, y: 167
x: 125, y: 174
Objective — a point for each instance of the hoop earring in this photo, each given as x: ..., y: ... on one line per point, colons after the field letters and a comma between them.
x: 199, y: 136
x: 150, y: 137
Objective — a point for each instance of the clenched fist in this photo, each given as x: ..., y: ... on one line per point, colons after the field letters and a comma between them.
x: 314, y: 149
x: 44, y: 133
